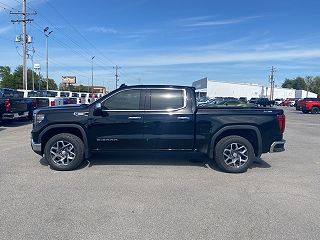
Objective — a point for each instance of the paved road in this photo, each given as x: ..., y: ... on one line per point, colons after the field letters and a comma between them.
x: 167, y: 196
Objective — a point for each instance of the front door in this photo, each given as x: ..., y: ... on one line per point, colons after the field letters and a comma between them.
x: 121, y: 124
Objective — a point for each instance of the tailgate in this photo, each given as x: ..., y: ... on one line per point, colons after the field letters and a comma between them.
x: 18, y: 105
x: 42, y: 102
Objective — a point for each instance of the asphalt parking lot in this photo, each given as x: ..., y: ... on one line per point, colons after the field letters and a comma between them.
x: 162, y: 196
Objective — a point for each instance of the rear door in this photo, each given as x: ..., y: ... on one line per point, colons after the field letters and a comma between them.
x: 168, y: 121
x: 121, y: 126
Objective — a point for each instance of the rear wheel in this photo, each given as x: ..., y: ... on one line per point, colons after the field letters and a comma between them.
x: 234, y: 154
x: 315, y: 110
x: 64, y: 152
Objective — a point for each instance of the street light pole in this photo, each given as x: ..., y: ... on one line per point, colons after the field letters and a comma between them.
x: 47, y: 33
x: 92, y: 76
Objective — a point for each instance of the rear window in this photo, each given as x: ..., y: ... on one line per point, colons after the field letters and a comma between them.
x: 164, y: 99
x: 12, y: 94
x: 32, y: 94
x: 64, y: 94
x: 47, y: 94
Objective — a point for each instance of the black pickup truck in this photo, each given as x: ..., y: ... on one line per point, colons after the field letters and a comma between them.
x: 150, y: 118
x: 12, y: 105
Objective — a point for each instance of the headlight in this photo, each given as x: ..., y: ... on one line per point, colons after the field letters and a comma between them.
x: 37, y: 118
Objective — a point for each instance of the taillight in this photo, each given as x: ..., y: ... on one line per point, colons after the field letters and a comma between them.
x: 7, y: 105
x: 52, y: 103
x: 34, y: 103
x: 281, y: 122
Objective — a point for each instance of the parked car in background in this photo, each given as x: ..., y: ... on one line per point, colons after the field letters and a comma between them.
x: 52, y: 96
x: 234, y: 103
x: 243, y: 99
x: 34, y: 100
x: 310, y: 105
x: 253, y: 100
x: 203, y: 100
x: 289, y: 102
x: 12, y: 105
x: 264, y: 102
x: 278, y: 101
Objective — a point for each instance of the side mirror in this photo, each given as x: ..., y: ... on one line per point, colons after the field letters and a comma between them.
x: 98, y: 110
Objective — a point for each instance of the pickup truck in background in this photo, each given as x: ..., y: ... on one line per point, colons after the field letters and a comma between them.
x: 156, y: 118
x: 12, y: 105
x: 264, y: 102
x: 34, y: 100
x: 310, y: 105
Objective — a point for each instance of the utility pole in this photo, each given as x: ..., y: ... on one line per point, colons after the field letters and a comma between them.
x: 24, y: 21
x: 272, y: 83
x: 33, y: 51
x: 117, y: 75
x: 47, y: 33
x: 92, y: 76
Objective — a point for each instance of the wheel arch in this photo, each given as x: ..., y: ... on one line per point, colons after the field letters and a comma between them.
x: 249, y: 132
x: 55, y: 129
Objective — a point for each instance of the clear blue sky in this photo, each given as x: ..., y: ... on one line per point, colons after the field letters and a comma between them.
x: 170, y: 41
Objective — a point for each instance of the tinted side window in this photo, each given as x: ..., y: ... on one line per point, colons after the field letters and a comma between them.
x: 64, y: 94
x: 125, y: 100
x: 163, y: 99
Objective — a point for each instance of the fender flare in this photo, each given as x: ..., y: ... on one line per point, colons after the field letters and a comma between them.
x: 236, y: 127
x: 82, y: 131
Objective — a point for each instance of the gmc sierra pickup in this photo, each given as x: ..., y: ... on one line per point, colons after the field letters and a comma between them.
x: 12, y: 105
x: 150, y: 118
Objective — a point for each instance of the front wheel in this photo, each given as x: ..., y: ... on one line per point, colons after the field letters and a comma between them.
x: 234, y: 154
x: 64, y: 151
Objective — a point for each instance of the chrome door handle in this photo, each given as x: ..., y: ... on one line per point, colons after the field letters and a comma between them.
x: 134, y: 117
x: 183, y: 118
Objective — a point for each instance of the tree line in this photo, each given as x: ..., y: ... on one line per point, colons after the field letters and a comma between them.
x: 9, y: 79
x: 309, y: 83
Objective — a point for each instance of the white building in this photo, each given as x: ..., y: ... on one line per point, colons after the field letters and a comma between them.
x: 305, y: 94
x: 213, y: 88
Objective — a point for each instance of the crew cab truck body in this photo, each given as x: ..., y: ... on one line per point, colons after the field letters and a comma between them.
x: 12, y: 105
x: 149, y: 118
x: 310, y: 105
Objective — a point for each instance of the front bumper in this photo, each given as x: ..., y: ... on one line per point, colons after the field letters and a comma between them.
x: 12, y: 116
x: 277, y: 146
x: 36, y: 147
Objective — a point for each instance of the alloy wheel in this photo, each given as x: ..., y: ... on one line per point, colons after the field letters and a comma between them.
x: 62, y: 153
x: 235, y: 155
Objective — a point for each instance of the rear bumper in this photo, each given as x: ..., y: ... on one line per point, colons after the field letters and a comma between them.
x: 12, y: 116
x: 36, y: 147
x: 277, y: 146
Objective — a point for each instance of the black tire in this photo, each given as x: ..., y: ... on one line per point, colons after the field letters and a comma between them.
x: 77, y: 152
x: 305, y: 111
x: 223, y: 146
x: 315, y: 110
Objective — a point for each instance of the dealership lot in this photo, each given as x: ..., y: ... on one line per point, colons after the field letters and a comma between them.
x: 162, y: 196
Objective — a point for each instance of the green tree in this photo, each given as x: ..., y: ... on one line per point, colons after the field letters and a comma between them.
x: 14, y: 80
x: 298, y: 83
x: 6, y: 77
